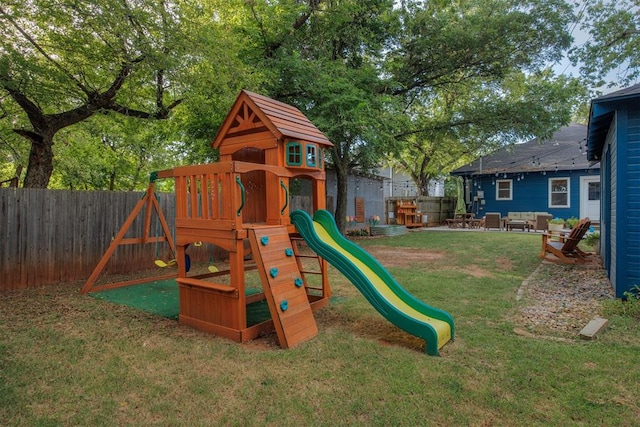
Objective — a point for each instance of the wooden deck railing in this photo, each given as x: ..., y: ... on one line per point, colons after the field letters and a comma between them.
x: 210, y: 193
x: 213, y: 195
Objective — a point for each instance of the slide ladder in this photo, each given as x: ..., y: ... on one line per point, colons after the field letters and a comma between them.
x: 283, y: 285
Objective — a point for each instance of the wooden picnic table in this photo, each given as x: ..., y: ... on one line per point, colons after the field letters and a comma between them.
x: 463, y: 220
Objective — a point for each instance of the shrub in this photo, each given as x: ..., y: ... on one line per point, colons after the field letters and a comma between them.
x: 628, y: 305
x: 571, y: 222
x: 592, y: 239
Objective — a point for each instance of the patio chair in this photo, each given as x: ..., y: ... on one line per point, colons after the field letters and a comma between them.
x: 541, y: 222
x: 565, y: 250
x: 492, y: 220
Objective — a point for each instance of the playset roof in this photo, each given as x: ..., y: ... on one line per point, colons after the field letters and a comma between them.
x: 253, y: 113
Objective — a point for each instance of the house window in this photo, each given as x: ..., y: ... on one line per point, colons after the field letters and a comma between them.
x: 294, y: 154
x: 504, y: 189
x: 559, y: 193
x: 311, y: 155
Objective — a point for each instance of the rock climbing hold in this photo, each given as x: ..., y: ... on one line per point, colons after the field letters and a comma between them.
x: 284, y: 305
x: 264, y: 240
x: 273, y: 272
x: 298, y: 282
x: 288, y: 252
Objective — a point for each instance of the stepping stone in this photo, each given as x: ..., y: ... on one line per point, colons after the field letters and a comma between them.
x: 594, y: 327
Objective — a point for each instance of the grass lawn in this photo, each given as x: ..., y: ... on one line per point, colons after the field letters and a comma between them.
x: 70, y: 359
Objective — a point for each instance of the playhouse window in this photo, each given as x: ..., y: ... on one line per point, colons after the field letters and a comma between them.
x: 294, y: 154
x: 559, y: 193
x: 504, y: 189
x: 311, y: 155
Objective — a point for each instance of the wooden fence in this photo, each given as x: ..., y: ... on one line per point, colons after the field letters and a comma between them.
x: 49, y: 236
x: 437, y: 209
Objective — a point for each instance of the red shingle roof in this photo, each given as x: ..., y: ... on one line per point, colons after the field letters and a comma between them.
x: 252, y: 112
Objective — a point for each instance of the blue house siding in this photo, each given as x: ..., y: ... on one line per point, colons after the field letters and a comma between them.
x: 632, y: 218
x: 530, y: 194
x: 612, y: 207
x: 614, y: 140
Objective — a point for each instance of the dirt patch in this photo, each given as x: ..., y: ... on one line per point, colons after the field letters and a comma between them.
x: 410, y: 257
x: 373, y: 327
x: 404, y: 257
x: 476, y: 271
x: 504, y: 264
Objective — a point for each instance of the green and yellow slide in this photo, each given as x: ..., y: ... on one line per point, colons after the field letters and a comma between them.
x: 381, y: 290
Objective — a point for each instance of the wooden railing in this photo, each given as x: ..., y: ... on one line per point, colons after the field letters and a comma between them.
x: 213, y: 195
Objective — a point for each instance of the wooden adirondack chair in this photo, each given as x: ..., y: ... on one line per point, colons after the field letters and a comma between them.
x: 565, y: 250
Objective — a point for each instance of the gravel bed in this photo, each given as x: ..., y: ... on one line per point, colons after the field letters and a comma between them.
x: 559, y: 300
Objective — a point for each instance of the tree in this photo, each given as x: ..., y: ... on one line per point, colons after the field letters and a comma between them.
x: 614, y: 43
x: 325, y: 58
x: 64, y: 62
x: 474, y: 79
x: 466, y: 122
x: 112, y: 153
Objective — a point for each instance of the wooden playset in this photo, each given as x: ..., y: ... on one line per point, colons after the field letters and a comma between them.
x: 241, y: 204
x: 407, y: 214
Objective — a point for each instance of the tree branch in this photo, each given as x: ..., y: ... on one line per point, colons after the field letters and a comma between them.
x: 624, y: 35
x: 130, y: 112
x: 34, y: 112
x: 272, y: 47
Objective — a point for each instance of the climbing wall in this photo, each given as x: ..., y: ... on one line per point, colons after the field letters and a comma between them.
x: 283, y: 285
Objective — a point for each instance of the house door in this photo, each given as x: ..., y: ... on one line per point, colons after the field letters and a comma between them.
x: 590, y: 197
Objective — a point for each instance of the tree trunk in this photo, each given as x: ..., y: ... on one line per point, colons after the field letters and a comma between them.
x: 112, y: 180
x: 423, y: 185
x: 341, y: 197
x: 40, y: 165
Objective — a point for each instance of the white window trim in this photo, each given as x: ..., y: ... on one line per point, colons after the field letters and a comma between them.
x: 568, y: 205
x: 510, y: 181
